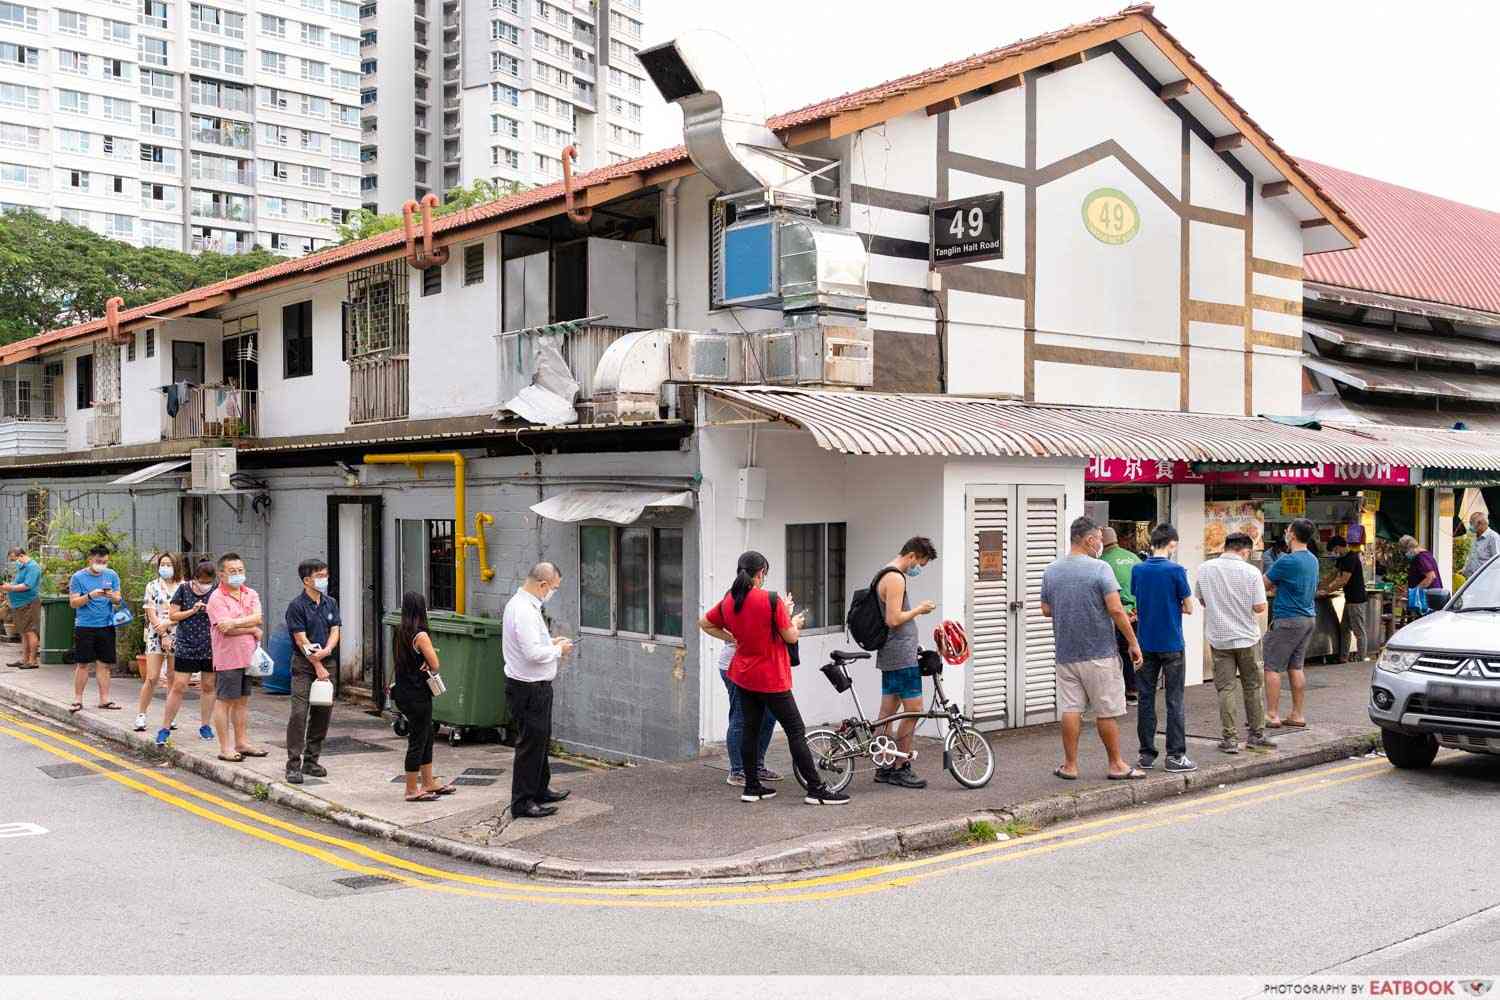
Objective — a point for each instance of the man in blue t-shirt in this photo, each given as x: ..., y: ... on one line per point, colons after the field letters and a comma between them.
x: 1295, y: 579
x: 94, y: 593
x: 1162, y: 597
x: 23, y: 594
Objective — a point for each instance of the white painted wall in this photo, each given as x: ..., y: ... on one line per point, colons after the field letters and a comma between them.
x: 142, y: 403
x: 351, y: 612
x: 454, y: 364
x: 312, y: 404
x: 77, y: 420
x: 1189, y: 517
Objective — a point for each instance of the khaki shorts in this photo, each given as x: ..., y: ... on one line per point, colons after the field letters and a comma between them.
x: 1098, y: 684
x: 27, y: 618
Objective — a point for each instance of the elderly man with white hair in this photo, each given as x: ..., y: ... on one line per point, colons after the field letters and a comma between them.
x: 531, y: 658
x: 1486, y: 544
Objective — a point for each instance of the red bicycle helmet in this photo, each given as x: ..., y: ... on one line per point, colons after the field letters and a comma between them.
x: 952, y: 641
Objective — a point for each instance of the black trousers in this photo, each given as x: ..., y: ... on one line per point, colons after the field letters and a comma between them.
x: 307, y: 726
x: 419, y: 729
x: 783, y: 707
x: 530, y: 704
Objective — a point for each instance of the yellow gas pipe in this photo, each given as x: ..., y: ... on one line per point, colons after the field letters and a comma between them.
x: 417, y: 460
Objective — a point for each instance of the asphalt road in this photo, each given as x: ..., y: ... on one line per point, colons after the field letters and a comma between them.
x: 1352, y: 868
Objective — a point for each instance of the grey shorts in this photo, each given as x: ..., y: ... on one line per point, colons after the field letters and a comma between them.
x: 1096, y: 684
x: 1286, y: 643
x: 231, y: 684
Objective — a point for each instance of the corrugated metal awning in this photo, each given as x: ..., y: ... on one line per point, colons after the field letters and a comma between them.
x: 1402, y: 345
x: 864, y: 423
x: 149, y: 472
x: 1407, y: 382
x: 615, y: 506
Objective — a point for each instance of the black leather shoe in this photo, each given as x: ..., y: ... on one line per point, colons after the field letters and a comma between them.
x: 551, y: 796
x: 314, y: 770
x: 533, y: 811
x: 294, y: 777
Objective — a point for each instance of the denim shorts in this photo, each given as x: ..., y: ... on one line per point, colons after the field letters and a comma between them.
x: 903, y: 683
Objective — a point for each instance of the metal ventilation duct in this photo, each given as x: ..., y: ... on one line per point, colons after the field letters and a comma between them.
x: 723, y: 113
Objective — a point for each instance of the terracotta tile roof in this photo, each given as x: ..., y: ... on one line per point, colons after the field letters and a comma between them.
x: 1421, y: 247
x: 852, y: 101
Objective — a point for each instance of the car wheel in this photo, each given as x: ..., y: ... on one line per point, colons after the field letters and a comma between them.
x: 1408, y: 750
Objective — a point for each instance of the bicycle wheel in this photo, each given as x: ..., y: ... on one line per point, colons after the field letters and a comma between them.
x: 833, y: 756
x: 968, y: 757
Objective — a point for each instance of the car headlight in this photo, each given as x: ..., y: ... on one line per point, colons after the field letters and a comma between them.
x: 1397, y: 661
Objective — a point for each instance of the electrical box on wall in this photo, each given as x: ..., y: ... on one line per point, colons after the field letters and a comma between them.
x: 750, y: 496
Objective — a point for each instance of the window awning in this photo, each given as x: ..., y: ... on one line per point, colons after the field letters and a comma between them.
x: 867, y: 423
x: 616, y: 506
x: 140, y: 476
x: 1407, y: 381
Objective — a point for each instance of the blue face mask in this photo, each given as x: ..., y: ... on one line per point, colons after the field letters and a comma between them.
x: 914, y: 571
x: 320, y: 584
x: 237, y: 580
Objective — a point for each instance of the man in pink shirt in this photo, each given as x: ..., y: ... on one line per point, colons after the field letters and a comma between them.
x: 234, y: 614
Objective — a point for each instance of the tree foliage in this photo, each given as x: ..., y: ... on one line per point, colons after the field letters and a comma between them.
x: 367, y: 223
x: 55, y: 274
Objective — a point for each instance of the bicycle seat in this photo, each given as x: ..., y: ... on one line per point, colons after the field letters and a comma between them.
x: 842, y: 657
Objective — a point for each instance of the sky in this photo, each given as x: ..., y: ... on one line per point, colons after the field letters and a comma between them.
x: 1401, y: 91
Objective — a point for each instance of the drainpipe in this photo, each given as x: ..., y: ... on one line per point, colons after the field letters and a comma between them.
x: 417, y: 461
x: 112, y: 317
x: 670, y: 225
x: 427, y: 256
x: 578, y: 215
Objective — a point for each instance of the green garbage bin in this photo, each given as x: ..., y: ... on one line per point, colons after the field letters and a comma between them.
x: 57, y: 630
x: 473, y: 669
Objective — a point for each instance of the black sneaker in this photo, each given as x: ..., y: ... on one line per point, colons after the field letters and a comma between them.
x: 883, y: 774
x: 904, y: 777
x: 826, y: 796
x: 757, y: 794
x: 314, y: 770
x: 1146, y: 763
x: 1180, y: 765
x: 293, y: 777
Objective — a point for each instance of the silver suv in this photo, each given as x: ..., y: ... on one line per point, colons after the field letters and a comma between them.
x: 1437, y: 682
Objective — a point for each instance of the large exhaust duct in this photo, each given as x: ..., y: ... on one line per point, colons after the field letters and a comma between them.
x: 723, y: 114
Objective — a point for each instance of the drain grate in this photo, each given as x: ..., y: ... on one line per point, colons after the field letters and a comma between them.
x: 346, y: 744
x: 558, y: 767
x: 76, y: 770
x: 489, y: 771
x: 466, y: 780
x: 364, y: 881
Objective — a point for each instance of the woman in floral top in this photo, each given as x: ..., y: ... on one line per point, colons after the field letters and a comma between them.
x: 159, y: 630
x: 190, y: 648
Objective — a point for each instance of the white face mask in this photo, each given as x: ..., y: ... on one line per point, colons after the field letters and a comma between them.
x: 320, y: 584
x: 236, y: 579
x: 548, y: 595
x: 165, y: 572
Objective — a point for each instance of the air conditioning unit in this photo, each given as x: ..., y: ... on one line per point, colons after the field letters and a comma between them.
x: 818, y: 350
x: 213, y: 469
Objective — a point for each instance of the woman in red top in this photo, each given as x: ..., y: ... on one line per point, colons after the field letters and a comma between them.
x: 762, y: 670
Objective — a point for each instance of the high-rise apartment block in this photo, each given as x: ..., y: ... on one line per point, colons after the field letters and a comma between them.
x: 195, y: 126
x: 456, y: 91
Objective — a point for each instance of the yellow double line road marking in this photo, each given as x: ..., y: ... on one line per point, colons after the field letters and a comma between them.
x: 862, y: 881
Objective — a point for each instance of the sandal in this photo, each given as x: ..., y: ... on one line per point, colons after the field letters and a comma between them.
x: 423, y: 797
x: 75, y: 708
x: 254, y: 753
x: 110, y: 706
x: 1134, y: 774
x: 233, y: 758
x: 1289, y: 724
x: 1277, y: 724
x: 1060, y: 773
x: 445, y: 790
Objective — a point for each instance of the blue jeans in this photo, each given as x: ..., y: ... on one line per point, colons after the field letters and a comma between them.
x: 1170, y: 668
x: 736, y: 730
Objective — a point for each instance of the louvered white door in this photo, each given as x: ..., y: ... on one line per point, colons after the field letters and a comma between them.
x: 1041, y: 511
x: 989, y: 612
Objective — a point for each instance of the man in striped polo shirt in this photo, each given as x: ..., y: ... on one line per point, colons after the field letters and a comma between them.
x: 1232, y: 593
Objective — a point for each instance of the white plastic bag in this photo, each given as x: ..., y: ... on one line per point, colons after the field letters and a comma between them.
x: 261, y: 663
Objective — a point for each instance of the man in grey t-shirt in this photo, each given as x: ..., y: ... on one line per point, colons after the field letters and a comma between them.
x: 1082, y: 597
x: 900, y: 676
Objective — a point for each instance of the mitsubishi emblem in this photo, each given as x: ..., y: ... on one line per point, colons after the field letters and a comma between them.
x: 1470, y: 669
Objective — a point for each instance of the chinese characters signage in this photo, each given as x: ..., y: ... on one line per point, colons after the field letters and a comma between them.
x: 1147, y: 472
x: 1293, y: 501
x: 991, y: 555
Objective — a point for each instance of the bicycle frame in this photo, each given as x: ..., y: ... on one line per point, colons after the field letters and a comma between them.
x: 941, y: 709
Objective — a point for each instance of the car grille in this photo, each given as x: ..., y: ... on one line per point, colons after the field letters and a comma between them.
x: 1422, y: 705
x: 1467, y: 665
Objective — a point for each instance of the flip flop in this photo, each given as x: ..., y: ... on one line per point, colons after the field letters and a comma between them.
x: 1134, y: 774
x: 233, y: 758
x: 1274, y: 725
x: 254, y: 753
x: 445, y: 790
x: 1289, y: 724
x: 1060, y: 773
x: 424, y: 797
x: 75, y: 708
x: 110, y: 706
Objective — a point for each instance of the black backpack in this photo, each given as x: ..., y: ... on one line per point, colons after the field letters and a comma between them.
x: 866, y: 619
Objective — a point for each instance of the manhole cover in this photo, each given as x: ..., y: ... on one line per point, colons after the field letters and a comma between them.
x: 557, y: 767
x: 491, y: 771
x: 464, y: 780
x: 76, y: 770
x: 363, y: 881
x: 346, y: 744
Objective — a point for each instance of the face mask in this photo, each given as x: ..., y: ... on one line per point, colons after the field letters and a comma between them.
x: 320, y: 584
x: 548, y: 596
x: 99, y: 567
x: 237, y: 580
x: 914, y: 571
x: 165, y: 572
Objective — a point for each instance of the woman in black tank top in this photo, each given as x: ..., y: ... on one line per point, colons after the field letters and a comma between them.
x: 415, y: 658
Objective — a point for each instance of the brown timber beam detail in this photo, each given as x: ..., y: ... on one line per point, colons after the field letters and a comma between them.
x: 946, y: 104
x: 1275, y: 189
x: 1285, y: 341
x: 1094, y: 358
x: 984, y: 281
x: 1276, y: 268
x: 1175, y: 89
x: 1217, y: 217
x: 1269, y: 303
x: 1224, y: 143
x: 1215, y: 312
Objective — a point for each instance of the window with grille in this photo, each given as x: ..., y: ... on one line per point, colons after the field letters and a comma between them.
x: 630, y: 580
x: 37, y: 516
x: 150, y: 343
x: 130, y: 349
x: 474, y: 264
x: 432, y: 280
x: 440, y: 565
x: 815, y: 572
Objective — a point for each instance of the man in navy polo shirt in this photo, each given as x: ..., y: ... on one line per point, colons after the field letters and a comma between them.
x: 1162, y: 597
x: 313, y: 621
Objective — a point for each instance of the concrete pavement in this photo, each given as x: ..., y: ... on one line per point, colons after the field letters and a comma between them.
x: 680, y: 820
x: 1332, y: 870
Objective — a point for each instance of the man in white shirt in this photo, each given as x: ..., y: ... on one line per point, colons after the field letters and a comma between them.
x: 1485, y: 546
x: 1233, y: 593
x: 531, y: 658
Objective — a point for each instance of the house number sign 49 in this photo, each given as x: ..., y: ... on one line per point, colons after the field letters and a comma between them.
x: 1111, y: 216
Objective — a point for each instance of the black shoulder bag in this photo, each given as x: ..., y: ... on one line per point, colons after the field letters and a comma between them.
x: 791, y: 647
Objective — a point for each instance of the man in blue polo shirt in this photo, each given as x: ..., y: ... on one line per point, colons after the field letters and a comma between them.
x: 313, y: 621
x: 23, y: 593
x: 94, y: 593
x: 1162, y: 597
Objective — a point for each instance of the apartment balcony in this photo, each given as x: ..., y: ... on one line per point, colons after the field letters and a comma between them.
x: 244, y: 178
x: 214, y: 244
x: 451, y: 23
x: 228, y: 138
x: 586, y: 35
x: 584, y: 68
x: 419, y: 11
x: 226, y: 212
x: 213, y: 411
x: 104, y: 424
x: 419, y: 38
x: 379, y: 388
x: 31, y: 413
x: 584, y: 95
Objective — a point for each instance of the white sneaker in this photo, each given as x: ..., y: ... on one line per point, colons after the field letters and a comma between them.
x: 140, y: 723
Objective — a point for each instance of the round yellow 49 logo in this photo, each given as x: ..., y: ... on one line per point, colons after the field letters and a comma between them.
x: 1111, y: 216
